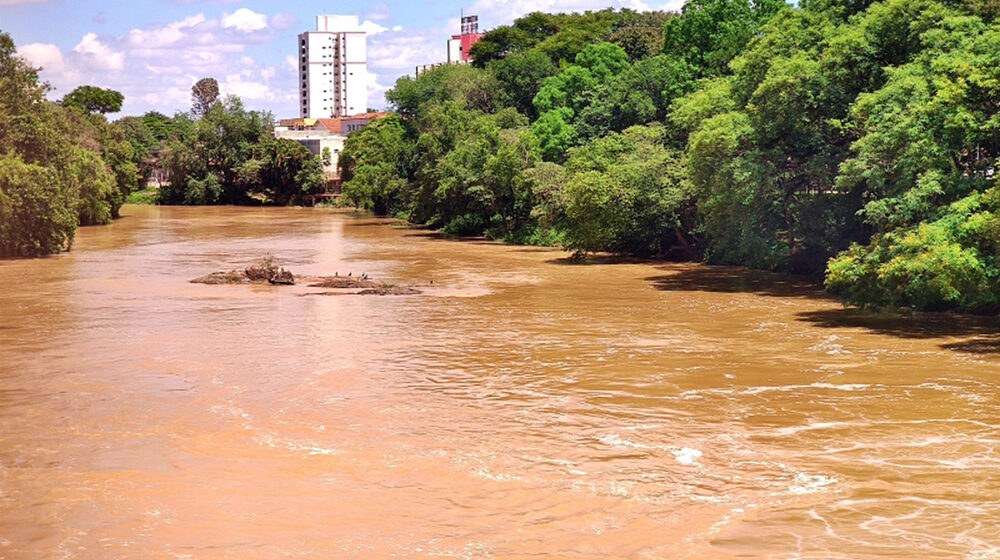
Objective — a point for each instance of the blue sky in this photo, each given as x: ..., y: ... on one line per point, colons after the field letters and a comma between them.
x: 154, y: 50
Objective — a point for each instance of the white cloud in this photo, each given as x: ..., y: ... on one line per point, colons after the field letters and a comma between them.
x: 376, y: 91
x: 48, y: 56
x: 99, y: 55
x: 372, y: 28
x: 283, y: 21
x: 401, y: 51
x: 379, y: 12
x: 19, y: 2
x: 235, y: 84
x: 161, y: 70
x: 155, y: 66
x: 245, y: 20
x: 159, y: 37
x: 673, y: 6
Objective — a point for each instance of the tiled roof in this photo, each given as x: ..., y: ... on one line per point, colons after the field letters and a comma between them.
x: 368, y: 116
x: 333, y: 126
x: 336, y: 126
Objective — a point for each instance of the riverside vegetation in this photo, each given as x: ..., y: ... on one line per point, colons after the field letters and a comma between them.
x: 846, y: 138
x: 849, y: 138
x: 63, y: 164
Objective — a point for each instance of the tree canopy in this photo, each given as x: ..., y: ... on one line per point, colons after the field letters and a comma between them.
x: 93, y: 99
x: 59, y: 165
x: 846, y: 138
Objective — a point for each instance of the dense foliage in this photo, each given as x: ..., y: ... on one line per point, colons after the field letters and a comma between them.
x: 60, y: 165
x: 93, y: 99
x: 229, y: 156
x: 850, y: 138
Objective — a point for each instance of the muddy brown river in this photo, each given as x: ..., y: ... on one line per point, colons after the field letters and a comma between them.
x: 521, y: 407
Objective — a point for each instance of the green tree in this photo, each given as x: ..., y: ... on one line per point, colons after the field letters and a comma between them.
x: 947, y: 263
x: 574, y: 86
x: 469, y: 87
x: 139, y: 136
x: 52, y: 174
x: 204, y: 166
x: 376, y: 165
x: 93, y: 99
x: 519, y: 76
x: 710, y: 33
x: 925, y: 162
x: 499, y: 43
x: 36, y: 214
x: 555, y: 135
x: 640, y: 94
x: 280, y: 171
x: 626, y: 194
x: 640, y: 34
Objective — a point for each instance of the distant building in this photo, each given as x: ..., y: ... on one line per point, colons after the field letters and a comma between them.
x: 458, y: 45
x: 157, y: 174
x: 320, y: 134
x: 333, y: 68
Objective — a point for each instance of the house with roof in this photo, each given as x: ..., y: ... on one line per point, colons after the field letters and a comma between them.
x: 325, y: 137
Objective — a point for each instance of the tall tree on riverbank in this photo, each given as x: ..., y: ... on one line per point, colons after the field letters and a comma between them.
x: 204, y: 96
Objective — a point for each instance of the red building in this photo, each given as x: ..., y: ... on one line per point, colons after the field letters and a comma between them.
x: 459, y: 45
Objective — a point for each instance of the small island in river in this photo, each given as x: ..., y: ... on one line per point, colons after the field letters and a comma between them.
x: 268, y: 273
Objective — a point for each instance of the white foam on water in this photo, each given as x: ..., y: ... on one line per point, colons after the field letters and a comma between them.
x: 830, y: 346
x: 306, y: 448
x: 495, y: 477
x: 988, y: 553
x: 616, y: 440
x: 687, y: 455
x: 791, y: 430
x: 843, y: 386
x: 715, y: 499
x: 805, y: 483
x: 683, y: 455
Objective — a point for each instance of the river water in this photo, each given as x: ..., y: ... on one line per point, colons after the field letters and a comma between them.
x: 521, y: 407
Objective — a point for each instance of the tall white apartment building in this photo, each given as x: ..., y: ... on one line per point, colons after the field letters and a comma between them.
x: 333, y: 69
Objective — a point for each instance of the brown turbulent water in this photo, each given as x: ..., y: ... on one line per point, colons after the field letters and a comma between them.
x: 521, y: 408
